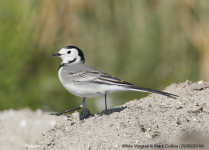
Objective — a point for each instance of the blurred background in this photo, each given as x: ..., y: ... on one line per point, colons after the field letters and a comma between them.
x: 151, y: 43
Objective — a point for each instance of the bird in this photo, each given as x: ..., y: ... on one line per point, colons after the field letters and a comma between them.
x: 85, y: 81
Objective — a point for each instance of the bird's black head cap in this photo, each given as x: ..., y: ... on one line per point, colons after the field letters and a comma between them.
x: 80, y: 53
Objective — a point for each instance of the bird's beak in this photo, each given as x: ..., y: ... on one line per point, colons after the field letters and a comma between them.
x: 56, y: 54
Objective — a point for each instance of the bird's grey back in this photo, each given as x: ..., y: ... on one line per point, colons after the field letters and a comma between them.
x: 68, y: 69
x: 78, y: 67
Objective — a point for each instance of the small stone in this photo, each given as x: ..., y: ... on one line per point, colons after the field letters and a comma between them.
x: 123, y: 125
x: 72, y: 123
x: 198, y: 126
x: 178, y: 120
x: 85, y: 114
x: 200, y: 82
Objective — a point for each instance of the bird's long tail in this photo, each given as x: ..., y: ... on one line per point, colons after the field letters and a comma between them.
x: 142, y: 89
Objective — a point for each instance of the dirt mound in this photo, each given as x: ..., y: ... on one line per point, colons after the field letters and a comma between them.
x: 151, y: 121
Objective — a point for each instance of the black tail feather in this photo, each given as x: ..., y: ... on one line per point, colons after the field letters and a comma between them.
x: 142, y: 89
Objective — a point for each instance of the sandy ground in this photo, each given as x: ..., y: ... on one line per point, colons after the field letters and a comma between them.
x: 153, y: 122
x: 18, y: 128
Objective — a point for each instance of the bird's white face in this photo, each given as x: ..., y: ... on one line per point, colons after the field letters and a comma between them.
x: 70, y: 54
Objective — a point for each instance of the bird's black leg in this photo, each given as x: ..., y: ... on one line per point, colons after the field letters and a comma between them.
x: 106, y: 112
x: 64, y: 112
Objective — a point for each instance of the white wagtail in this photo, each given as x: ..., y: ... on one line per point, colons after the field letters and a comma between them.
x: 84, y: 81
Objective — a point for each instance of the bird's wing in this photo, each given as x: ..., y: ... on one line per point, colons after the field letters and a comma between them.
x: 98, y: 77
x: 103, y: 78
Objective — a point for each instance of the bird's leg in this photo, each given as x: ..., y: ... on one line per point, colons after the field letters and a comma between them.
x: 64, y: 112
x: 106, y: 112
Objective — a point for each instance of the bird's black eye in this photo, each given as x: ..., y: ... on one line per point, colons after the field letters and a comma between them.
x: 69, y: 52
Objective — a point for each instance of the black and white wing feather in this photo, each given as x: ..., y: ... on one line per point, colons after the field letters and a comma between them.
x: 103, y: 78
x: 99, y: 78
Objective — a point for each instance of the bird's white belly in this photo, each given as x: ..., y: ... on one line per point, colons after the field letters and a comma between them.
x: 91, y: 91
x: 83, y: 91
